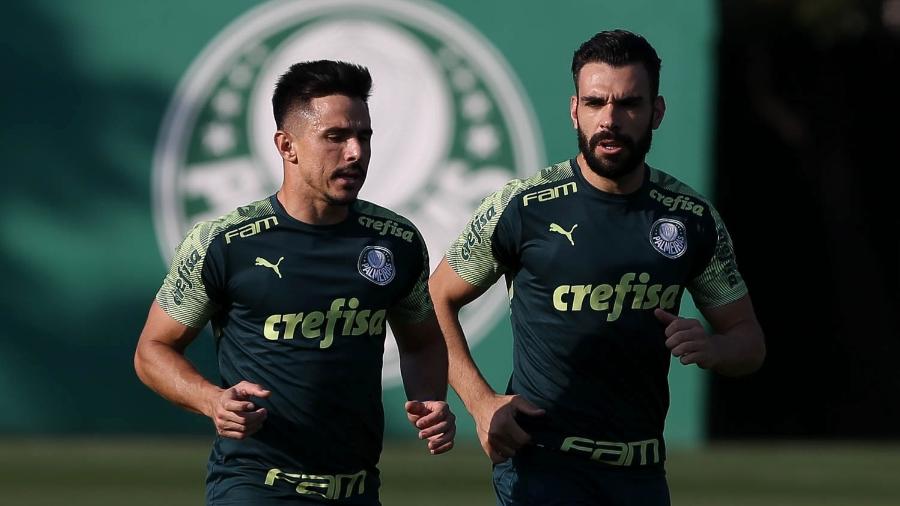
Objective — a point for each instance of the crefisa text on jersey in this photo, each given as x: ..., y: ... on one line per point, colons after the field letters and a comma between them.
x: 474, y: 235
x: 387, y: 227
x: 644, y: 296
x: 356, y: 322
x: 682, y: 202
x: 185, y: 268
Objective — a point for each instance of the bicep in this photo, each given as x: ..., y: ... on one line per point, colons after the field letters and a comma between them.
x: 162, y: 329
x: 449, y: 289
x: 730, y: 315
x: 412, y: 336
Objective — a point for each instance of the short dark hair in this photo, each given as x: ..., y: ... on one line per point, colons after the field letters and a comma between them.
x: 618, y: 48
x: 305, y: 81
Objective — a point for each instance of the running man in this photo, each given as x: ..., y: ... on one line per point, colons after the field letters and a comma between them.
x: 596, y: 252
x: 299, y: 288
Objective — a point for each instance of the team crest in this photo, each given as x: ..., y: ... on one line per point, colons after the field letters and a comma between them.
x: 668, y: 237
x: 377, y: 265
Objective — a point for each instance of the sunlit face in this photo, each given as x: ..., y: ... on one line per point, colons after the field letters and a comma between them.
x: 615, y: 116
x: 331, y: 139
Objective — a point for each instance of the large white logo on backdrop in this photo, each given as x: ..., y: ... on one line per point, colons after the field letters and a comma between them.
x: 452, y: 123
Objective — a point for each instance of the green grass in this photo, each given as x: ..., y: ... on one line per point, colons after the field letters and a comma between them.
x: 170, y: 472
x: 787, y: 474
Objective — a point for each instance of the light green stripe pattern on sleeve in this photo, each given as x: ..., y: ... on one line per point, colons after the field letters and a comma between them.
x: 470, y: 255
x: 721, y: 282
x: 182, y: 294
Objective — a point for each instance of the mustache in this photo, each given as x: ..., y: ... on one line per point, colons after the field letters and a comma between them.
x: 352, y: 170
x: 609, y: 135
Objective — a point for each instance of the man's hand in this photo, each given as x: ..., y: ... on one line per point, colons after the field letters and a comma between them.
x: 495, y: 421
x: 234, y: 415
x: 688, y: 340
x: 435, y: 422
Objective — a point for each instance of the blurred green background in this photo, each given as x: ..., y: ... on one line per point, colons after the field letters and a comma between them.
x: 781, y: 111
x: 91, y: 204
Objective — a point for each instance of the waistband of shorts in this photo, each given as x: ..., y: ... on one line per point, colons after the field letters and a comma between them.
x: 643, y: 453
x: 325, y: 486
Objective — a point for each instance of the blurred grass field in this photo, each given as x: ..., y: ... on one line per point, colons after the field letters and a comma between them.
x: 170, y: 472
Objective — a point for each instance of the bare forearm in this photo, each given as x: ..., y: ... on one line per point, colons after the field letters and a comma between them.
x: 738, y: 346
x: 464, y: 376
x: 450, y: 293
x: 171, y: 375
x: 424, y: 371
x: 742, y: 349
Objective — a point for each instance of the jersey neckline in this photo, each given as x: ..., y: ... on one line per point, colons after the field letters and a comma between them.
x: 309, y: 227
x: 595, y: 192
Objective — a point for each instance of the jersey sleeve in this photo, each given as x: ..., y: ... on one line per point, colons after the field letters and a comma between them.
x: 485, y: 250
x: 186, y: 293
x: 720, y: 282
x: 416, y: 306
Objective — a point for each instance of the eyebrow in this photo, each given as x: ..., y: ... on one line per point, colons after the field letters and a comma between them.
x: 600, y: 99
x: 347, y: 131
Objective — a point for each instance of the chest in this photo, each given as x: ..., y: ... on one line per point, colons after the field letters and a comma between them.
x: 586, y: 241
x: 286, y: 272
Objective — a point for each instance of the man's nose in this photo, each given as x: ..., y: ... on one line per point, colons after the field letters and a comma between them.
x: 608, y: 118
x: 352, y: 149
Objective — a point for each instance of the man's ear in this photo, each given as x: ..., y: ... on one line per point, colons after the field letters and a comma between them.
x: 285, y: 145
x: 659, y: 110
x: 573, y: 111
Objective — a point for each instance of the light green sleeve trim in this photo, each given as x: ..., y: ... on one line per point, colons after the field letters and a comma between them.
x: 182, y: 295
x: 721, y: 282
x: 471, y: 255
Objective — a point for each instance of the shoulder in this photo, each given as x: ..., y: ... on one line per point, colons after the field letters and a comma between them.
x: 478, y: 236
x: 530, y: 187
x: 382, y: 221
x: 556, y: 173
x: 371, y: 210
x: 675, y: 195
x: 245, y: 220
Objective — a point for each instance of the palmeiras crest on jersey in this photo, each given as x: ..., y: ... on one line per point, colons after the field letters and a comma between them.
x: 377, y: 265
x: 450, y: 119
x: 668, y: 237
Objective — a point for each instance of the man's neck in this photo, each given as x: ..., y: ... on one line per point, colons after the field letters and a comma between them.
x: 629, y: 183
x: 308, y: 210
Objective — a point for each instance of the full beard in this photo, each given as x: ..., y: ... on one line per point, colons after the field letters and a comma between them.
x: 615, y: 167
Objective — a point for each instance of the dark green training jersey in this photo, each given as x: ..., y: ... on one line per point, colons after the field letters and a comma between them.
x: 585, y: 270
x: 300, y: 310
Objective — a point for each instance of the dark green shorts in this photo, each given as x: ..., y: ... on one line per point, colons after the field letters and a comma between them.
x: 546, y: 477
